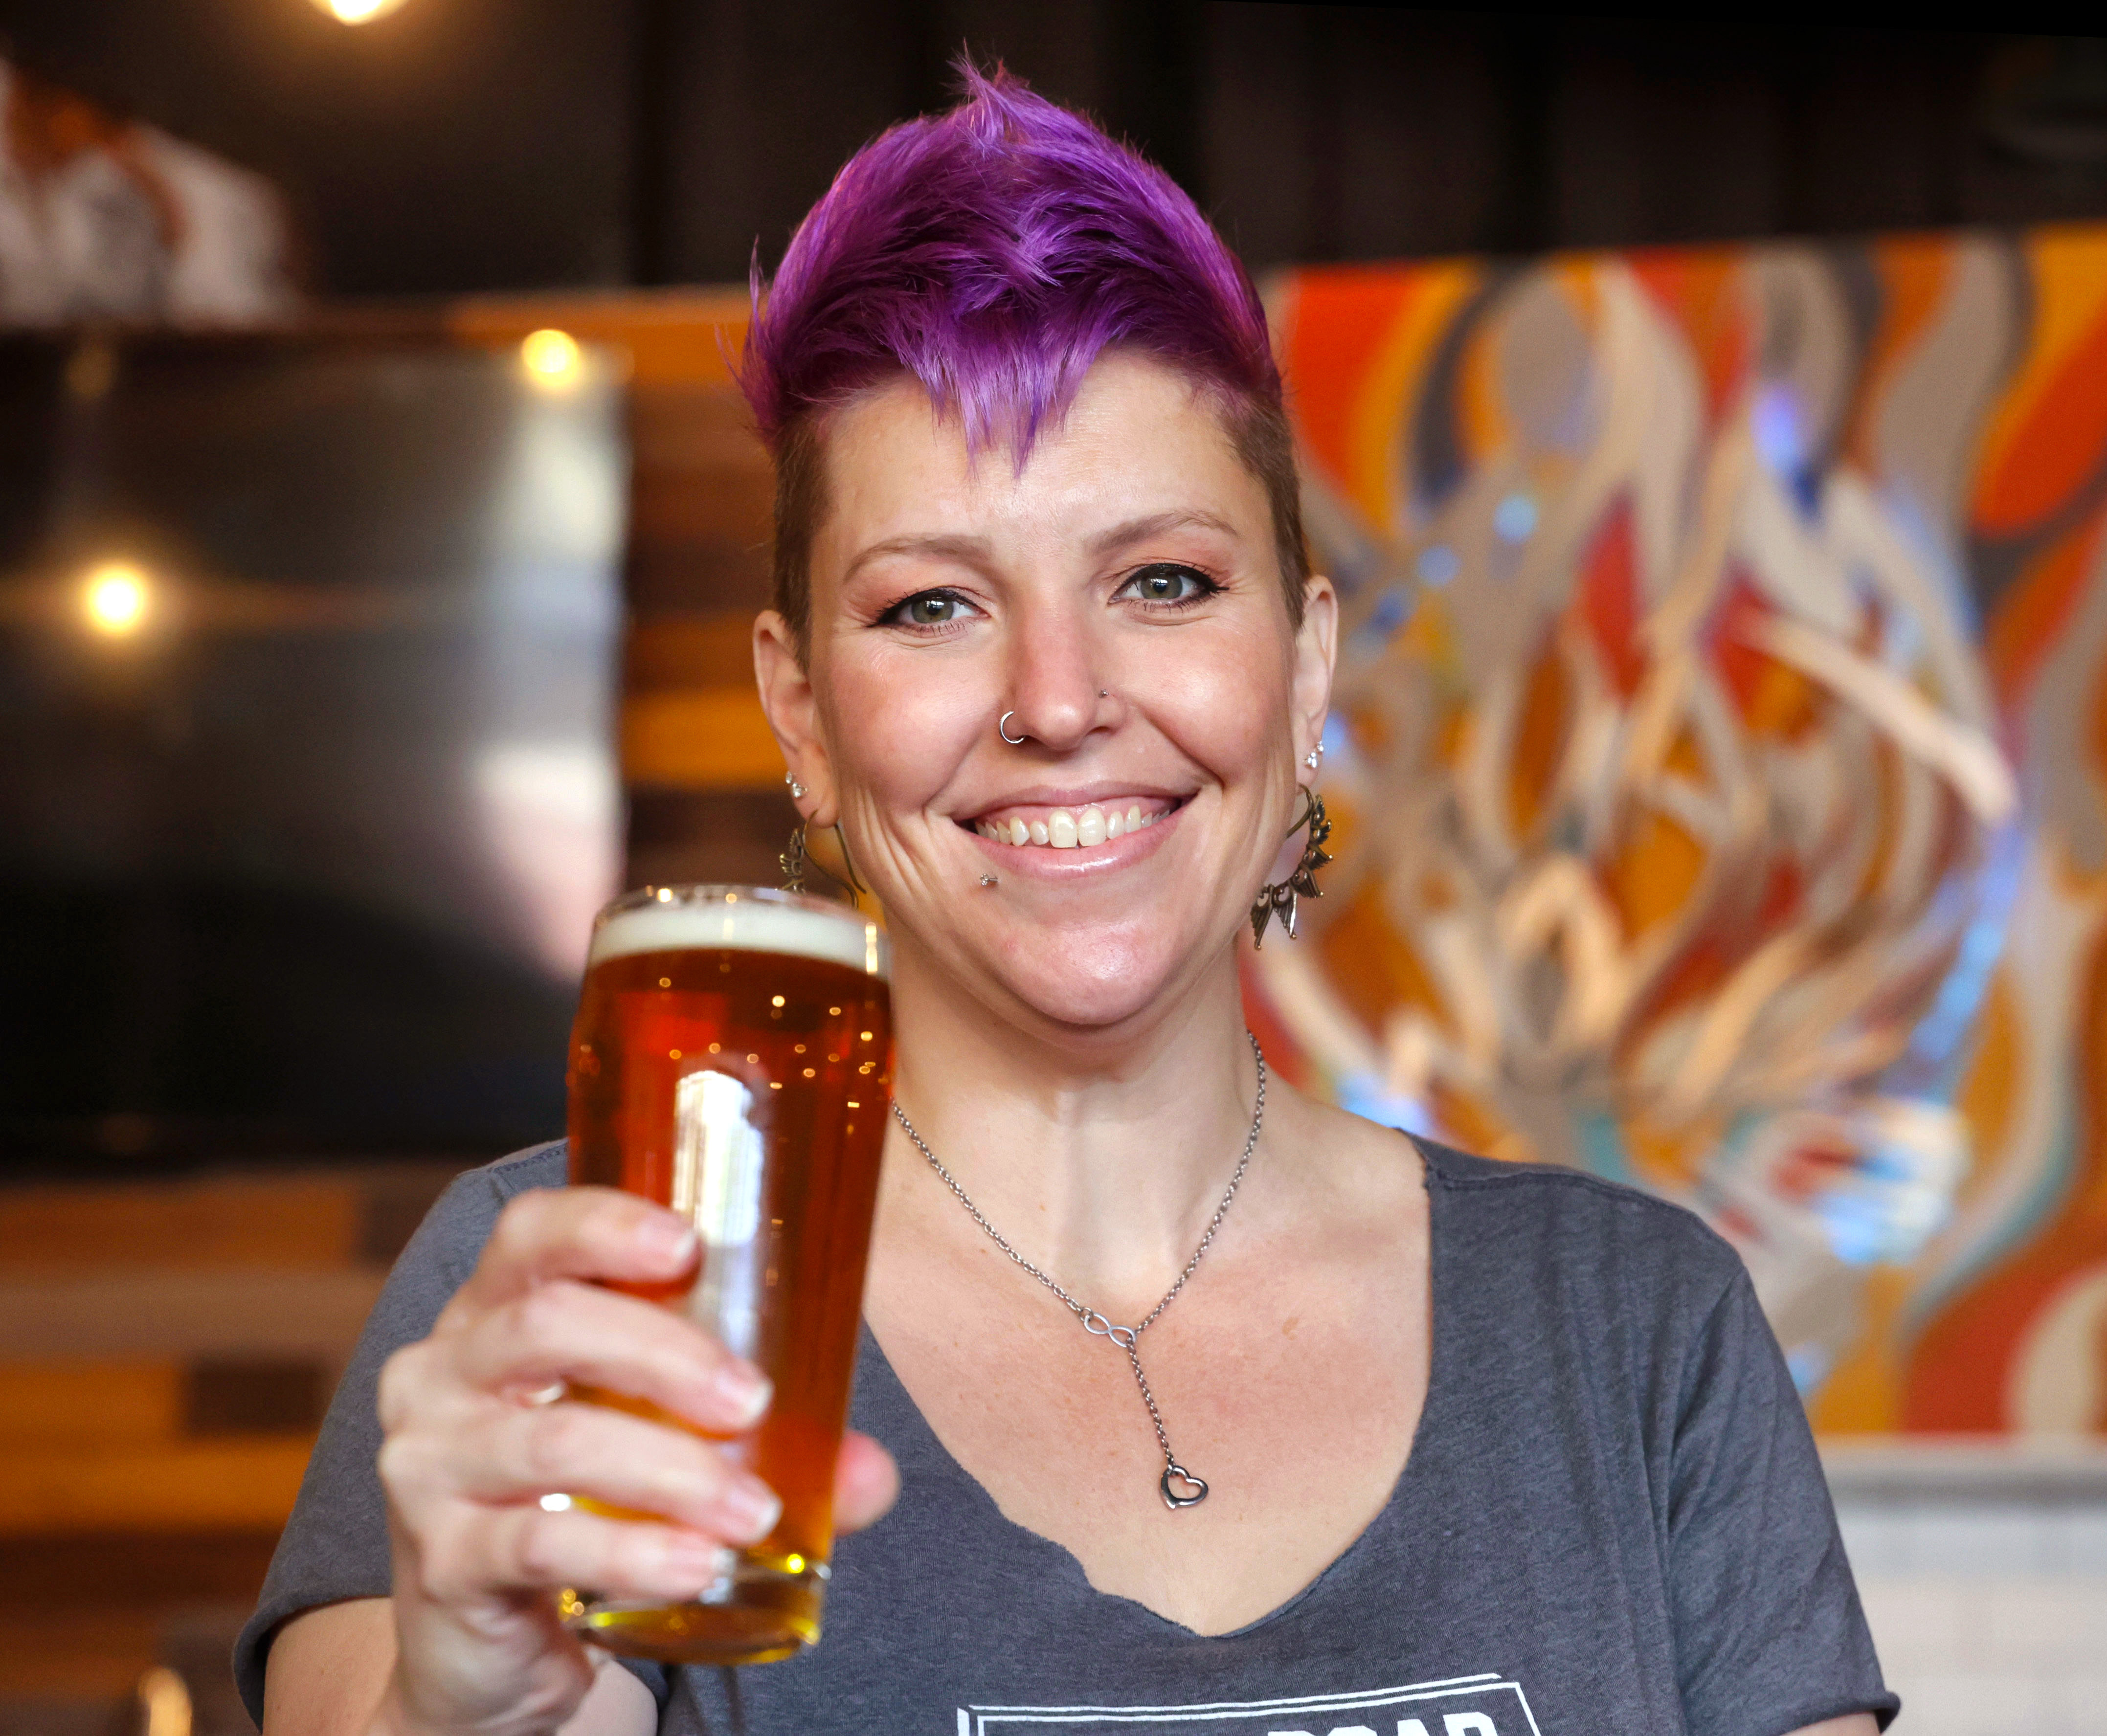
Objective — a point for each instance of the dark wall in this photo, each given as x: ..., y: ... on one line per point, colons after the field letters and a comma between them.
x: 455, y: 144
x: 502, y: 144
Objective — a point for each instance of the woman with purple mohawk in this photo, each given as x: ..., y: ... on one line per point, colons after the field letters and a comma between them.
x: 1396, y: 1439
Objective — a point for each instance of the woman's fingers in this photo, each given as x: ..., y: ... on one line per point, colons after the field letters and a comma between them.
x: 866, y: 1483
x: 577, y: 1232
x: 506, y: 1550
x: 584, y: 1336
x: 513, y: 1455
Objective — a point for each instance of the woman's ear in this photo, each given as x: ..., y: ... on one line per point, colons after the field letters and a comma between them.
x: 792, y: 712
x: 1316, y: 648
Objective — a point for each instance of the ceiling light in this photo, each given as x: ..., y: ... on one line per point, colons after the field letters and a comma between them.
x: 115, y: 599
x: 357, y: 11
x: 551, y: 358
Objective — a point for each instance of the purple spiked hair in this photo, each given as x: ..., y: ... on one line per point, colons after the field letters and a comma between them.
x: 994, y: 252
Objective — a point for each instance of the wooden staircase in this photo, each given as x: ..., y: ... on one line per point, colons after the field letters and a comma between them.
x: 166, y: 1352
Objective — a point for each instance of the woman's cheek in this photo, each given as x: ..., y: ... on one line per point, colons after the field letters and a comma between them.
x: 1227, y: 706
x: 898, y: 736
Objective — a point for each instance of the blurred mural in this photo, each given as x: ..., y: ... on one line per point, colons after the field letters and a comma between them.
x: 1720, y: 770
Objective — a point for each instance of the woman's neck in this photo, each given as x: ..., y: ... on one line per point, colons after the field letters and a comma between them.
x: 1100, y: 1157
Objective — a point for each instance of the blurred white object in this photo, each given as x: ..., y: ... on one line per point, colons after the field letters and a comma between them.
x: 106, y: 219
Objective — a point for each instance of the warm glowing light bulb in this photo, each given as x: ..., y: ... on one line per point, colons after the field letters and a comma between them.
x: 551, y: 357
x: 115, y: 599
x: 357, y: 11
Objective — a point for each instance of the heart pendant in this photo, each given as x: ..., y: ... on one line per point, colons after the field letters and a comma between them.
x: 1172, y: 1498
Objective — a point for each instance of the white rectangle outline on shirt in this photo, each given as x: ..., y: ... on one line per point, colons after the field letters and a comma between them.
x: 978, y: 1720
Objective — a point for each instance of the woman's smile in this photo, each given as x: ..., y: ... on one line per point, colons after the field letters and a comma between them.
x: 1095, y: 821
x: 1093, y: 835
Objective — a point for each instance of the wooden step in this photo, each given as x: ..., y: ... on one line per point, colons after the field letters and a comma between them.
x: 181, y: 1486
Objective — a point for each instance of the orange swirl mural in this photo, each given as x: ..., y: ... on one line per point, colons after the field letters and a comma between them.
x: 1720, y: 770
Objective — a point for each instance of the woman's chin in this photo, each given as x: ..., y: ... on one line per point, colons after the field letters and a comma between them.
x: 1086, y: 993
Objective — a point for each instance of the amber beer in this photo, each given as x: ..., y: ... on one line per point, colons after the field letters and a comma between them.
x: 733, y: 1060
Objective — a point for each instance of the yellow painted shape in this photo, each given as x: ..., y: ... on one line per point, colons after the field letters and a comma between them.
x: 1864, y: 1393
x: 1989, y: 1086
x: 1373, y: 967
x: 235, y: 1484
x: 704, y: 738
x: 1670, y: 1158
x: 1887, y: 795
x: 1783, y: 704
x: 1685, y: 758
x: 2066, y: 286
x: 1380, y: 426
x: 1484, y: 417
x: 1472, y: 1124
x: 1650, y: 879
x: 1539, y: 741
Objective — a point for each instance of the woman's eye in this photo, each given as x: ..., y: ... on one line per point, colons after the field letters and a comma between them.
x: 930, y: 608
x: 1166, y: 581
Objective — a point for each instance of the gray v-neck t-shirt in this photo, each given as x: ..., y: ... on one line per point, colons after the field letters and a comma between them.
x: 1612, y: 1520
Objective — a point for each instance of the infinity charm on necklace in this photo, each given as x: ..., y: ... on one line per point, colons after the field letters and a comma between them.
x: 1122, y: 1336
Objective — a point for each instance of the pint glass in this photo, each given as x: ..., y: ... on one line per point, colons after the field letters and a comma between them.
x: 733, y: 1060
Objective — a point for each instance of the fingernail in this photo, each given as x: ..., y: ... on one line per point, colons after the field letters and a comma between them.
x: 703, y: 1558
x: 750, y: 1509
x: 744, y: 1391
x: 668, y: 1239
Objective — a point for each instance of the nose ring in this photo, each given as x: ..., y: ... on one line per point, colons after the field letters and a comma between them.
x: 1002, y: 729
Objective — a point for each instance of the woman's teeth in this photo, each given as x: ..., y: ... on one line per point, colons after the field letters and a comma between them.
x: 1063, y: 830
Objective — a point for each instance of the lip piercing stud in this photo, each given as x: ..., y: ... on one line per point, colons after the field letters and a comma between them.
x: 988, y: 879
x: 1002, y: 729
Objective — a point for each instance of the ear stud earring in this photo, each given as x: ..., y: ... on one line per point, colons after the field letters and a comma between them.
x: 797, y: 789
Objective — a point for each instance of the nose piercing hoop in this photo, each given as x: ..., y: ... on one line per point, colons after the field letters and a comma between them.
x: 1002, y: 729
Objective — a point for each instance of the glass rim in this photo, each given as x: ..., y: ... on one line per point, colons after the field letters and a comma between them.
x: 674, y: 894
x: 670, y: 918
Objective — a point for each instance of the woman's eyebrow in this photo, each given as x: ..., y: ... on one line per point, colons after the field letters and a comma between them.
x: 1155, y: 524
x: 966, y: 551
x: 976, y: 551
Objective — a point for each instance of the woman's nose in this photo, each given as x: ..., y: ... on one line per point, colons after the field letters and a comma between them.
x: 1056, y: 695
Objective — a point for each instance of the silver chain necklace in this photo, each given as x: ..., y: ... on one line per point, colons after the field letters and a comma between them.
x: 1095, y: 1324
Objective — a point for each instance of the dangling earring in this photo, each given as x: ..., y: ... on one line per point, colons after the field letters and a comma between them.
x: 793, y: 861
x: 1278, y: 899
x: 796, y: 860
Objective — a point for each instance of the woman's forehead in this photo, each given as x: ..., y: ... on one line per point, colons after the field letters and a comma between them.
x: 1140, y: 441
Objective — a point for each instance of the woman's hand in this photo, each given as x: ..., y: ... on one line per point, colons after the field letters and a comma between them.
x: 471, y: 1449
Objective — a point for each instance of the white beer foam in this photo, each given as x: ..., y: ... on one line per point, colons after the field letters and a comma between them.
x: 747, y: 925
